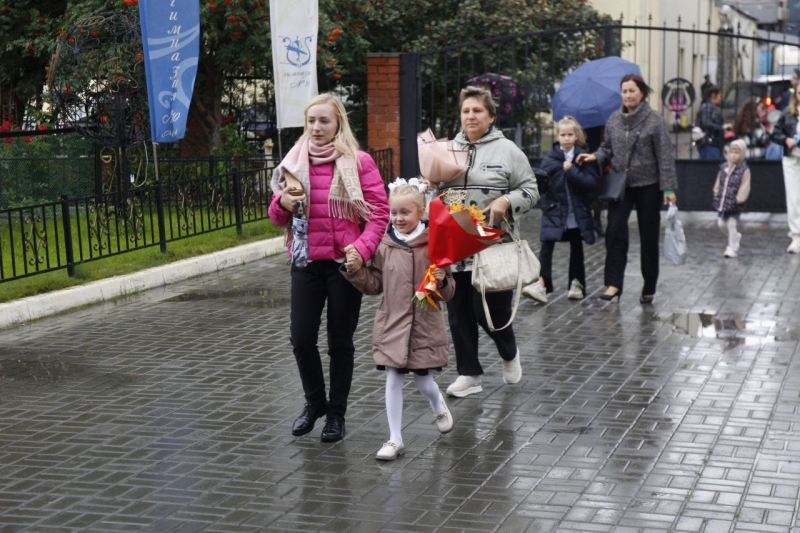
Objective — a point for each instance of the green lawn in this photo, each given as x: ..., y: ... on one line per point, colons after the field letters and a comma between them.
x: 138, y: 260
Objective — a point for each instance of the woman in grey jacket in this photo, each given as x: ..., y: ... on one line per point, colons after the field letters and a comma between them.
x: 638, y: 130
x: 501, y: 182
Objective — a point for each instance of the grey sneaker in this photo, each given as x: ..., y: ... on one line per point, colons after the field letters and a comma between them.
x: 575, y: 290
x: 535, y: 291
x: 464, y: 386
x: 512, y: 370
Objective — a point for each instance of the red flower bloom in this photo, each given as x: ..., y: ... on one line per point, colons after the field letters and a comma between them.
x: 237, y: 34
x: 336, y: 31
x: 41, y: 127
x: 9, y: 140
x: 336, y: 76
x: 28, y: 139
x: 330, y: 38
x: 232, y: 17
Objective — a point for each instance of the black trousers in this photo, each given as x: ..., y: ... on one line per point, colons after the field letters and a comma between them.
x: 576, y: 267
x: 465, y: 313
x: 312, y: 286
x: 647, y: 201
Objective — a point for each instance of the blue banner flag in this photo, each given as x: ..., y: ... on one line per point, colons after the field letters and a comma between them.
x: 171, y: 37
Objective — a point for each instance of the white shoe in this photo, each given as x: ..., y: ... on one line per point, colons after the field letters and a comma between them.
x: 535, y: 291
x: 730, y: 252
x: 464, y: 386
x: 390, y: 451
x: 794, y: 248
x: 512, y: 370
x: 575, y: 290
x: 444, y: 420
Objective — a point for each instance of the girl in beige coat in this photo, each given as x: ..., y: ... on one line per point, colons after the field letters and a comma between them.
x: 406, y: 338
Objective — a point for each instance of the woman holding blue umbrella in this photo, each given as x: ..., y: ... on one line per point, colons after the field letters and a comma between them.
x: 636, y: 141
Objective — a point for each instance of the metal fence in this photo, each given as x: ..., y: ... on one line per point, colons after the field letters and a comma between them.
x: 192, y: 197
x: 57, y: 235
x: 526, y: 70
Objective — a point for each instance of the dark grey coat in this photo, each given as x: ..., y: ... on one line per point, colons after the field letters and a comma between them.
x: 653, y: 159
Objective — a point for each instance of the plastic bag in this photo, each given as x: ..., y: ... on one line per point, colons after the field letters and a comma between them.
x: 674, y: 238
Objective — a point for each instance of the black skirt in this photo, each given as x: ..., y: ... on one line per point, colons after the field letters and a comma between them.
x: 417, y: 371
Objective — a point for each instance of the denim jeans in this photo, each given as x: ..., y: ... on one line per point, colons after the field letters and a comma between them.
x: 709, y: 151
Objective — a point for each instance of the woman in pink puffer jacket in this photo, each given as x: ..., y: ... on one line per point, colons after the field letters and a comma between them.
x: 344, y: 198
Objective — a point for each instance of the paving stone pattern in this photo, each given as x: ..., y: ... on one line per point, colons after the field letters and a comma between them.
x: 171, y: 411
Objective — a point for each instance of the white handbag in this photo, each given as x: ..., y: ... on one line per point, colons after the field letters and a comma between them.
x: 504, y: 267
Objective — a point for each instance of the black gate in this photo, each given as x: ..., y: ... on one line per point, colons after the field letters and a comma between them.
x: 743, y: 65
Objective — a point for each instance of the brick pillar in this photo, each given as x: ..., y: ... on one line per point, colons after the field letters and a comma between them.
x: 383, y: 106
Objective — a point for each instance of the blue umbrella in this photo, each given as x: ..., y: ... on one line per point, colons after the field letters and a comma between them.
x: 591, y: 92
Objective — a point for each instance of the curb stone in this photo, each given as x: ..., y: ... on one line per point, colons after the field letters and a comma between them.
x: 42, y: 305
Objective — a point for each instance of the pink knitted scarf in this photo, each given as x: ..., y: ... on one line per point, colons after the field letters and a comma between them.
x: 345, y: 200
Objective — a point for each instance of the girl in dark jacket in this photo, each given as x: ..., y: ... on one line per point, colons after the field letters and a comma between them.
x: 567, y: 214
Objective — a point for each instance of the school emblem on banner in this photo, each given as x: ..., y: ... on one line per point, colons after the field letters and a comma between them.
x: 294, y: 24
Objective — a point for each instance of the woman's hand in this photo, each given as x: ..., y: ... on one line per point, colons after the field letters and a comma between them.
x: 289, y: 199
x: 790, y: 144
x: 670, y: 198
x: 353, y: 261
x: 438, y: 274
x: 585, y: 158
x: 497, y: 209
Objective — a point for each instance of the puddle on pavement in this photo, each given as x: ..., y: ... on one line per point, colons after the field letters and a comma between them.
x: 46, y: 369
x: 259, y: 298
x: 736, y: 331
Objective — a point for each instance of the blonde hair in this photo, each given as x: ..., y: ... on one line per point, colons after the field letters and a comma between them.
x: 793, y: 103
x: 740, y: 145
x: 408, y: 190
x: 580, y: 136
x: 344, y: 140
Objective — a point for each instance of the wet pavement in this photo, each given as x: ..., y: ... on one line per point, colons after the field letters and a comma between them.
x: 171, y: 410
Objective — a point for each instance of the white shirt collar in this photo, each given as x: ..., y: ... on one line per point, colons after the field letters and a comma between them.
x: 569, y: 155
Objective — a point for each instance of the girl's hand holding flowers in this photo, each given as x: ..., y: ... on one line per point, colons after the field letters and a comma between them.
x: 438, y: 274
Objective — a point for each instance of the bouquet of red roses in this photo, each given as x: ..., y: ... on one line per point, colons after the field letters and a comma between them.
x: 455, y: 233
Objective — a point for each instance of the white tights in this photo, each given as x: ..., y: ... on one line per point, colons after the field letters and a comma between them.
x: 728, y: 227
x: 394, y: 399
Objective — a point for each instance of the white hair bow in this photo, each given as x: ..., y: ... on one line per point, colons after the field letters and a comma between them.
x: 414, y: 182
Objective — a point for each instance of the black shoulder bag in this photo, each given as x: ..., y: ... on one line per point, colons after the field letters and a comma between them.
x: 612, y: 186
